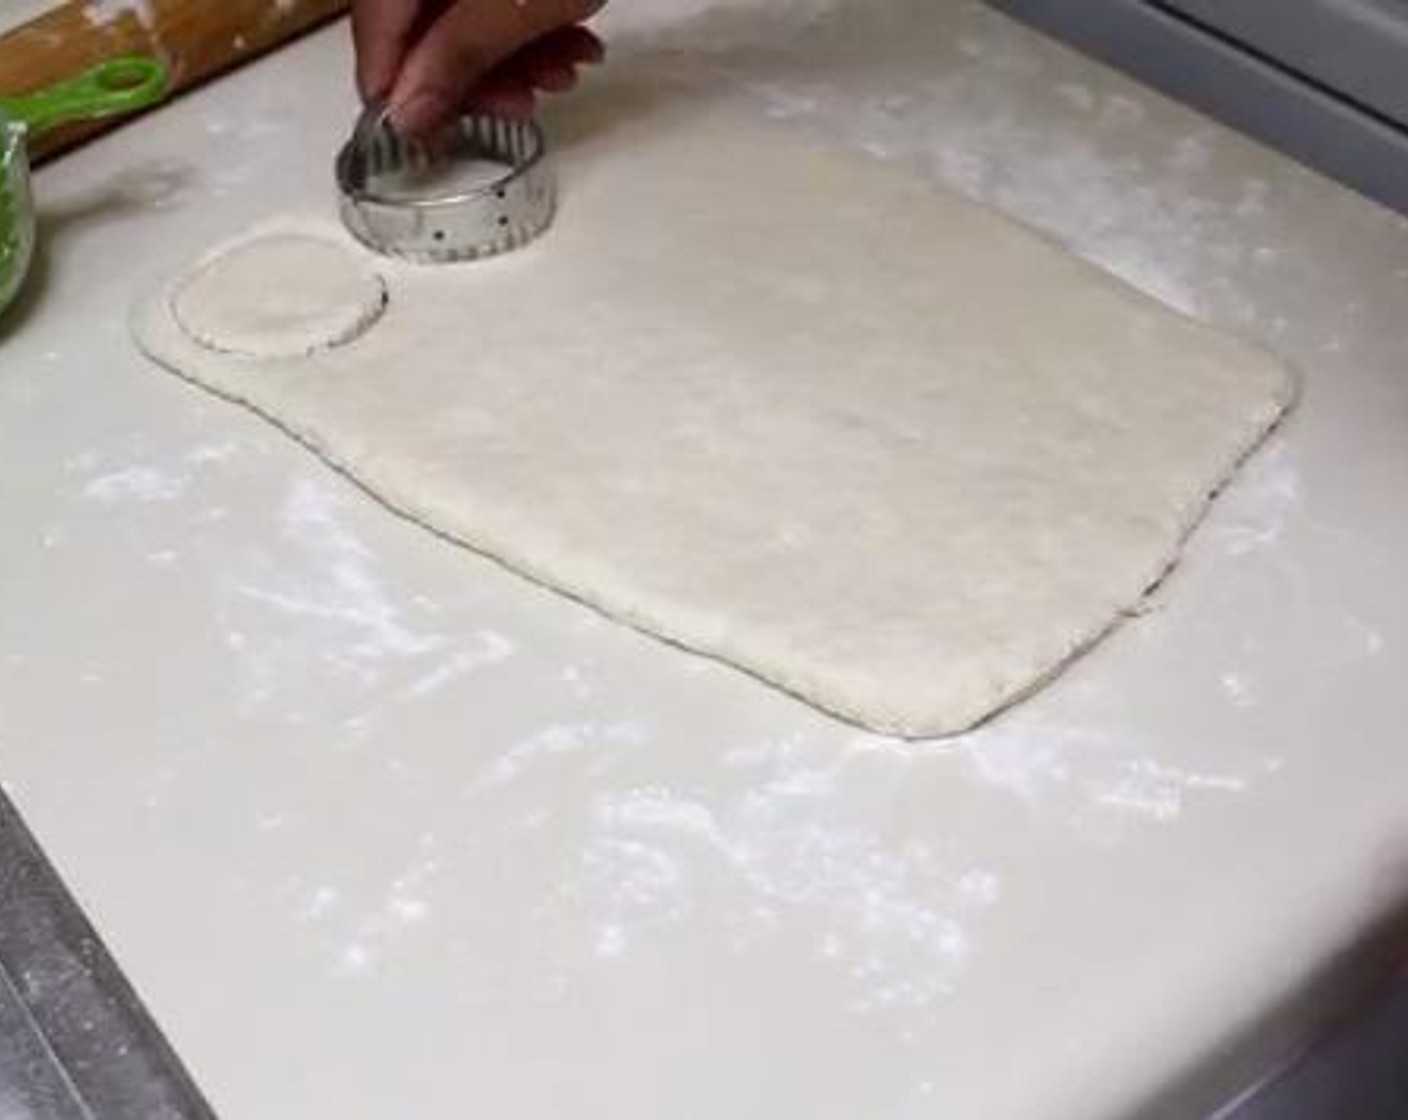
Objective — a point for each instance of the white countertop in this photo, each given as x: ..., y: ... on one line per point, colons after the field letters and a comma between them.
x: 379, y: 830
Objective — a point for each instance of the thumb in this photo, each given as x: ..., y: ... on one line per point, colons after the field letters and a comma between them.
x: 383, y: 31
x: 460, y: 49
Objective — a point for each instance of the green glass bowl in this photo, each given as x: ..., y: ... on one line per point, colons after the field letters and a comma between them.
x: 16, y: 214
x: 123, y: 85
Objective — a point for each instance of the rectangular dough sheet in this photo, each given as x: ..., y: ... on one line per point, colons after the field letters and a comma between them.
x: 797, y: 410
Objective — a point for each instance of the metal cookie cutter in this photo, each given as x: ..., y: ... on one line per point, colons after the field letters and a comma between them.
x: 479, y: 188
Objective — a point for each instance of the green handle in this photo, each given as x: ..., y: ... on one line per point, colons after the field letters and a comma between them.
x: 122, y: 85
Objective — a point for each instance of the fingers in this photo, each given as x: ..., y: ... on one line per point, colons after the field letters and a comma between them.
x: 469, y: 41
x: 549, y: 65
x: 383, y: 31
x: 511, y: 99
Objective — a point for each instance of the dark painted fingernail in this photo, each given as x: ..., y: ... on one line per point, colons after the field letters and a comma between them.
x: 420, y: 113
x: 373, y: 87
x: 513, y: 106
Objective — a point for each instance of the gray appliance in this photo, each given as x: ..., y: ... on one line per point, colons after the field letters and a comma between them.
x: 1324, y: 80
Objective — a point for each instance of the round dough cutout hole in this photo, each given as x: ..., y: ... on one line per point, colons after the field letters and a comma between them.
x: 282, y: 296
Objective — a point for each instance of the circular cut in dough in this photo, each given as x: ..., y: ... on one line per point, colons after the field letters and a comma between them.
x: 282, y: 296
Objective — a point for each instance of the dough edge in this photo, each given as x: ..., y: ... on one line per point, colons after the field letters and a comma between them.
x: 161, y: 337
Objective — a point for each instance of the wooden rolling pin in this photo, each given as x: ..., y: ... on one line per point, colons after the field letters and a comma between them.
x: 197, y: 39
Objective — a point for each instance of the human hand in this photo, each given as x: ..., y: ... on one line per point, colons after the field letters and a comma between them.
x: 429, y: 59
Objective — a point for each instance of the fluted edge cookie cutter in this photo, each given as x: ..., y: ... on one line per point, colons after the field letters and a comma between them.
x: 378, y: 172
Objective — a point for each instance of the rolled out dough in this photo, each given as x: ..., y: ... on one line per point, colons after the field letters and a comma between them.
x: 797, y: 410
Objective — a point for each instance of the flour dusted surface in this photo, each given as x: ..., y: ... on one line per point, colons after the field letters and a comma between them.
x: 845, y: 430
